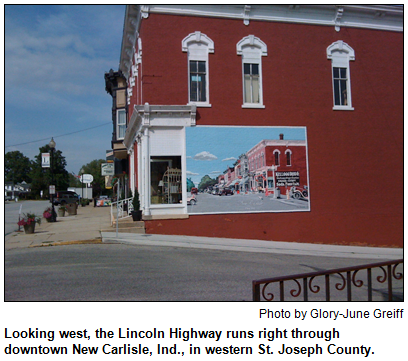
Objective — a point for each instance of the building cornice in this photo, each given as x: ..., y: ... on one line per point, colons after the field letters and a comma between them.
x: 377, y: 17
x: 146, y: 116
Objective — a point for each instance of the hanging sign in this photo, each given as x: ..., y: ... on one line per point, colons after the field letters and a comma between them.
x: 107, y: 169
x: 45, y: 160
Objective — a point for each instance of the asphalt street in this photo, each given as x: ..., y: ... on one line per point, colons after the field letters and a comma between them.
x: 123, y: 272
x: 252, y: 202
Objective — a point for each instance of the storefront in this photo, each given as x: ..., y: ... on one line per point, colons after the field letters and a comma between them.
x: 159, y: 132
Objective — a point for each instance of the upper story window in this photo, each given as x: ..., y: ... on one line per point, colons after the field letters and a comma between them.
x: 252, y: 49
x: 120, y: 124
x: 198, y: 46
x: 288, y: 157
x: 340, y: 54
x: 276, y: 154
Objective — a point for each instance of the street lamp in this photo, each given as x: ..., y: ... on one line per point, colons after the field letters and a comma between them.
x: 52, y: 149
x: 82, y: 185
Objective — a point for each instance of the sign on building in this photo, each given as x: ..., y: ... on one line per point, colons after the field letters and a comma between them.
x: 45, y: 160
x: 108, y: 169
x: 287, y: 179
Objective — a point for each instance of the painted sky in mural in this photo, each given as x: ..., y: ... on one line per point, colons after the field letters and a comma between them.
x: 211, y: 150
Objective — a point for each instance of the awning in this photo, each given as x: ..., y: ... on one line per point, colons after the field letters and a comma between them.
x: 244, y: 180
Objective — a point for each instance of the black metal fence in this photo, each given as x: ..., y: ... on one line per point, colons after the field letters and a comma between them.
x: 336, y: 285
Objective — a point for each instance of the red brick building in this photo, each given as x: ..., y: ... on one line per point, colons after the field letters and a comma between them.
x: 335, y: 70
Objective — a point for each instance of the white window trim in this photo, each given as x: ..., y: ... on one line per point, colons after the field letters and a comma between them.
x: 117, y: 124
x: 258, y: 50
x: 340, y: 54
x: 186, y: 46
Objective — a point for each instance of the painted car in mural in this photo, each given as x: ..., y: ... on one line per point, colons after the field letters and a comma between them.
x: 261, y: 169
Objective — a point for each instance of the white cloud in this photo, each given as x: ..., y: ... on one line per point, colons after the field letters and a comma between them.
x: 191, y: 173
x: 205, y: 156
x: 228, y: 159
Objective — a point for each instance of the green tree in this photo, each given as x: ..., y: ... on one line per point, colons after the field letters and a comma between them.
x: 206, y: 182
x: 17, y: 167
x: 74, y: 181
x: 94, y: 168
x: 42, y: 177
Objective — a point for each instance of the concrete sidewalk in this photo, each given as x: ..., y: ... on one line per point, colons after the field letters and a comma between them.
x: 93, y: 224
x: 84, y: 226
x: 245, y: 245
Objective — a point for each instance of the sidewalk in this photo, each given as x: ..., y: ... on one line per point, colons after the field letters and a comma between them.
x: 92, y: 224
x: 84, y: 226
x: 246, y: 245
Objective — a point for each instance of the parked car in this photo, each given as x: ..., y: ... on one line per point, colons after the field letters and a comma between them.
x: 300, y: 193
x: 65, y: 197
x: 226, y: 191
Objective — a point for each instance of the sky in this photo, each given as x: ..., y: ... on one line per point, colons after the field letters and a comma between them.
x: 211, y: 150
x: 55, y: 61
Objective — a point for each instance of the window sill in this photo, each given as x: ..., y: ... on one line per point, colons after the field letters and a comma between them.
x: 200, y: 105
x: 339, y: 107
x: 253, y: 106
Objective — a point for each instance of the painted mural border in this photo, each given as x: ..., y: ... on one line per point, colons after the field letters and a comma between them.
x: 247, y: 128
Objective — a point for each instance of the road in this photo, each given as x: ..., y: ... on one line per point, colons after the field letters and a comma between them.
x: 12, y: 210
x: 252, y: 202
x: 120, y: 272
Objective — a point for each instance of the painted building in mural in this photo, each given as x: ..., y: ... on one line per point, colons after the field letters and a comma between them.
x: 293, y: 108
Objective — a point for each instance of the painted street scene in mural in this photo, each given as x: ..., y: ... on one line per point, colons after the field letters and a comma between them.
x: 247, y: 169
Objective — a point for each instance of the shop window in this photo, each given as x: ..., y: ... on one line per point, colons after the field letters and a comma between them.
x: 165, y: 180
x: 340, y: 54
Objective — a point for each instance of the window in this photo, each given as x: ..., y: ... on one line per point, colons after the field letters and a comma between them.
x: 251, y: 83
x: 198, y: 46
x: 288, y: 158
x: 340, y: 54
x: 120, y: 124
x: 340, y: 86
x: 276, y: 156
x: 165, y: 180
x: 252, y: 49
x: 197, y: 81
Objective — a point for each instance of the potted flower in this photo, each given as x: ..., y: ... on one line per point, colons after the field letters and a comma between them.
x: 136, y: 213
x: 48, y: 214
x: 61, y: 211
x: 28, y: 222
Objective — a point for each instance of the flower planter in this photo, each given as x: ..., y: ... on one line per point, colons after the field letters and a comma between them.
x: 61, y: 212
x: 29, y: 228
x: 136, y: 215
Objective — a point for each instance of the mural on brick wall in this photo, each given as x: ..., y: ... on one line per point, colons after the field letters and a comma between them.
x: 247, y: 169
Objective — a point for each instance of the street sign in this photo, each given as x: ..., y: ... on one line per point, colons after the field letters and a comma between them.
x: 52, y: 189
x: 86, y: 178
x: 45, y: 160
x: 107, y: 169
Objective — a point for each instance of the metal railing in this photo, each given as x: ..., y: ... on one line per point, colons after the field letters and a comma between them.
x: 123, y: 209
x: 310, y: 284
